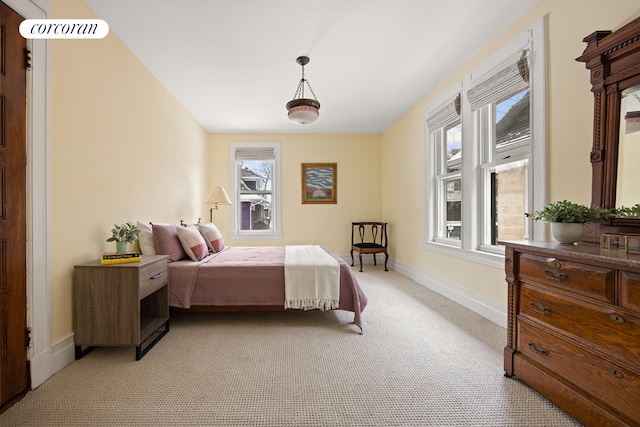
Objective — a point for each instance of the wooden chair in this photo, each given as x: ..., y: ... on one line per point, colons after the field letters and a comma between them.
x: 371, y: 238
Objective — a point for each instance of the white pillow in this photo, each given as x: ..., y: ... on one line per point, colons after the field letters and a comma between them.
x: 192, y: 242
x: 145, y: 239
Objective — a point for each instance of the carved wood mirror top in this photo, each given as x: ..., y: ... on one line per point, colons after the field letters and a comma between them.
x: 613, y: 59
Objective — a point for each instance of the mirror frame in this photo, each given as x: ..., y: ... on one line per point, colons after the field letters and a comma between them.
x: 613, y: 59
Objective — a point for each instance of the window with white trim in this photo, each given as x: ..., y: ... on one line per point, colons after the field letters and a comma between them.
x: 255, y: 178
x: 447, y: 143
x: 499, y: 122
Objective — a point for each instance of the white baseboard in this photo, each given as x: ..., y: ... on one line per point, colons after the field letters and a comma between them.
x: 40, y: 368
x: 47, y: 363
x: 63, y: 353
x: 484, y: 306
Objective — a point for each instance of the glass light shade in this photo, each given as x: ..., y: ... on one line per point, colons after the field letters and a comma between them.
x: 303, y: 110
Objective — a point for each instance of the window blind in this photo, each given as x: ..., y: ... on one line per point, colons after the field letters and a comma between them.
x: 445, y: 114
x: 508, y: 78
x: 255, y: 153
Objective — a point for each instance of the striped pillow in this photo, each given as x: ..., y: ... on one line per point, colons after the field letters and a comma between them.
x: 192, y: 242
x: 212, y: 236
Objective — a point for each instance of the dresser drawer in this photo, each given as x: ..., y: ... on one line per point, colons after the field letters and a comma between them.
x: 588, y: 280
x: 152, y: 277
x: 616, y: 386
x: 610, y: 329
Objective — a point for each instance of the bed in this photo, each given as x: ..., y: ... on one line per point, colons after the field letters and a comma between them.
x: 248, y: 279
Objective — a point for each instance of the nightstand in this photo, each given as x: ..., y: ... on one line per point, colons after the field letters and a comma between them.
x: 120, y: 305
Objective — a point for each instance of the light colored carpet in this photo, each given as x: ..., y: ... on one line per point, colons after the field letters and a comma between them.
x: 422, y: 361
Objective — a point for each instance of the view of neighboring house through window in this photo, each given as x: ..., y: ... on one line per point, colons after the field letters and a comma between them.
x: 255, y: 194
x: 446, y: 138
x: 256, y: 187
x: 506, y: 168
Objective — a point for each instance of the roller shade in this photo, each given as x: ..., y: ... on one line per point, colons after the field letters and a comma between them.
x: 445, y: 114
x: 255, y: 153
x: 508, y: 78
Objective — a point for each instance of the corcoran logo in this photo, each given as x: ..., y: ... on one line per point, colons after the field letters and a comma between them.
x: 64, y: 29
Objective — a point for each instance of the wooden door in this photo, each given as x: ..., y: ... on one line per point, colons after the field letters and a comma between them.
x: 13, y: 174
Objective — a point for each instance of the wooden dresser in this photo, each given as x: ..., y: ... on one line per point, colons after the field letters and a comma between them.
x: 574, y: 328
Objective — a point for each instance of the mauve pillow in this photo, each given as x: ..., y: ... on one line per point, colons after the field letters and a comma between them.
x: 212, y: 236
x: 165, y: 238
x: 192, y: 242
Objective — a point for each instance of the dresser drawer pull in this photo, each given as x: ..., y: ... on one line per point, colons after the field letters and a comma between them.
x: 555, y: 275
x: 615, y: 372
x: 538, y: 349
x: 157, y: 275
x: 539, y: 308
x: 617, y: 318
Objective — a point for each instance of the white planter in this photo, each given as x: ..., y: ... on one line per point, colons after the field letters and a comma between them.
x: 566, y: 232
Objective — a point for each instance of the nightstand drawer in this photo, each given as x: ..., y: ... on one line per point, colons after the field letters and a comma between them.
x: 588, y: 280
x: 153, y: 277
x: 617, y: 386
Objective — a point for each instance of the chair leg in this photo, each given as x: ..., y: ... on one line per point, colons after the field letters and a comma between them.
x: 374, y: 260
x: 360, y: 256
x: 386, y: 258
x: 351, y: 257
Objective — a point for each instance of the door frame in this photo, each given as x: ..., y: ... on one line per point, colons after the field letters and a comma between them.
x: 38, y: 223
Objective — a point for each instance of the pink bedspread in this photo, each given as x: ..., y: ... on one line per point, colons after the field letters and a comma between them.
x: 248, y: 276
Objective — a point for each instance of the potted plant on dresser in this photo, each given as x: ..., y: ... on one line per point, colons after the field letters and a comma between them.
x: 123, y: 235
x: 567, y: 219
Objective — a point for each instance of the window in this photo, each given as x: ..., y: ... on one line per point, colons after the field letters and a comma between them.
x: 447, y: 142
x: 255, y: 174
x: 496, y: 117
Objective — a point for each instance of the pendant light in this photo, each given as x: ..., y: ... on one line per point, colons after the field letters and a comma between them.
x: 303, y: 110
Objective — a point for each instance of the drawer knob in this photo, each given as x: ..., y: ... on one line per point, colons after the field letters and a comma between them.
x: 615, y: 372
x: 157, y: 275
x: 555, y: 275
x: 538, y: 349
x: 617, y: 318
x: 539, y: 308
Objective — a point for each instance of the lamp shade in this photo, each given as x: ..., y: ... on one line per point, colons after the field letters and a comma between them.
x: 303, y: 110
x: 218, y: 197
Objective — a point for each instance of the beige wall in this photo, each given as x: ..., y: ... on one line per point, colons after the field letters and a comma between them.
x: 359, y: 186
x: 569, y: 137
x: 122, y: 149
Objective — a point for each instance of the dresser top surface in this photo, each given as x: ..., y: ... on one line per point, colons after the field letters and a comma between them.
x: 589, y: 252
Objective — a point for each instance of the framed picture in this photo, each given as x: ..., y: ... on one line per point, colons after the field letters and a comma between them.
x: 319, y: 183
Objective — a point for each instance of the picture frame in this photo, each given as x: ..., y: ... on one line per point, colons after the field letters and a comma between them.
x: 319, y: 183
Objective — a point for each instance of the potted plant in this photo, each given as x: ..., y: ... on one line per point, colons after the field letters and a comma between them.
x: 123, y: 235
x: 567, y: 219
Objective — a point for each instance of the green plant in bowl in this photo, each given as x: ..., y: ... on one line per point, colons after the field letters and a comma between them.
x: 569, y: 212
x: 567, y: 219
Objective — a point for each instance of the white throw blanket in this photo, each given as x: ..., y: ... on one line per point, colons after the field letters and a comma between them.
x: 311, y: 278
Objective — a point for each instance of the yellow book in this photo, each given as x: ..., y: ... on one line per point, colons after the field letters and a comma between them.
x: 120, y: 260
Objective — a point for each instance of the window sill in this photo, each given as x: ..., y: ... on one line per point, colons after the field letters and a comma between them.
x: 255, y: 236
x: 485, y: 258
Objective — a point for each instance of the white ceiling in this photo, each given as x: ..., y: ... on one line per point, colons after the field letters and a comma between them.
x: 231, y: 63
